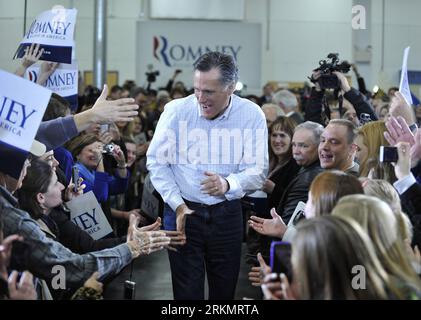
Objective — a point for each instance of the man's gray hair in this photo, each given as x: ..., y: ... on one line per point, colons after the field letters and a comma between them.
x: 315, y: 128
x: 223, y: 62
x: 285, y: 98
x: 278, y: 110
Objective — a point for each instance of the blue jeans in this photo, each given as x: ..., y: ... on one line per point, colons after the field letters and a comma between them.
x: 214, y: 236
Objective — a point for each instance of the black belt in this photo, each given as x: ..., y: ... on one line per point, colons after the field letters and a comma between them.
x: 202, y: 205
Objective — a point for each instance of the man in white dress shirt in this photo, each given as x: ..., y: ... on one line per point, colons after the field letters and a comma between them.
x: 208, y: 151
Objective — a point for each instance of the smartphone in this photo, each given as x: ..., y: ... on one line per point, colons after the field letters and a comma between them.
x: 280, y: 258
x: 19, y: 260
x: 388, y: 154
x: 75, y: 178
x: 129, y: 290
x: 104, y: 128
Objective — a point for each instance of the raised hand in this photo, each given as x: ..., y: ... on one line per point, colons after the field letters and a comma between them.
x: 31, y: 56
x: 274, y: 227
x: 403, y: 166
x: 25, y: 289
x: 6, y: 252
x: 108, y: 111
x: 46, y: 70
x: 398, y: 131
x: 257, y: 274
x: 399, y: 107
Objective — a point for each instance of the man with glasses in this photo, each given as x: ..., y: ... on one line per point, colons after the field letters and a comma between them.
x: 208, y: 151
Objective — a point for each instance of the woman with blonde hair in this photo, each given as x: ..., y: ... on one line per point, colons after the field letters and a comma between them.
x: 369, y: 138
x: 381, y: 225
x: 383, y: 190
x: 325, y: 253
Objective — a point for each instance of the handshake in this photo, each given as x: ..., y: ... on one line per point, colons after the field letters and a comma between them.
x: 148, y: 239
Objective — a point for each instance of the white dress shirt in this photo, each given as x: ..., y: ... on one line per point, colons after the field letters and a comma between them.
x: 186, y: 144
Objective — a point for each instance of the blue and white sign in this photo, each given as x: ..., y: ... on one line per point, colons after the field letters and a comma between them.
x: 172, y: 45
x: 86, y: 212
x: 64, y: 81
x: 22, y: 106
x: 404, y: 83
x: 53, y: 30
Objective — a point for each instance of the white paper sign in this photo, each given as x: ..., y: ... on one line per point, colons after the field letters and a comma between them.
x: 404, y: 83
x: 53, y: 30
x: 64, y: 81
x: 22, y: 106
x: 86, y: 212
x: 150, y: 203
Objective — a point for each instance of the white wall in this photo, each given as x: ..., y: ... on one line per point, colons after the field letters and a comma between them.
x: 402, y: 29
x: 301, y: 33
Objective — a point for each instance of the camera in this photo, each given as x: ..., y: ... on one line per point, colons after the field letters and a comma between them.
x: 75, y: 178
x: 108, y: 148
x: 364, y: 118
x: 129, y: 290
x: 327, y: 80
x: 151, y: 76
x: 388, y: 154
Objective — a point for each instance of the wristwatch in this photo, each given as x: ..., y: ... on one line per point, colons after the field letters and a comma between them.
x: 413, y: 127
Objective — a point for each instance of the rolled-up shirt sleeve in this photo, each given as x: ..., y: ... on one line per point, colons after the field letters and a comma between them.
x: 159, y: 158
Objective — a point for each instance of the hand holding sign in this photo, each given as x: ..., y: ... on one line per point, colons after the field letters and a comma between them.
x: 31, y: 56
x: 46, y: 70
x: 399, y: 107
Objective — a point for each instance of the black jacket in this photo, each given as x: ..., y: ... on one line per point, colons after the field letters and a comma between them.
x: 313, y: 108
x: 282, y: 177
x: 411, y: 204
x: 297, y: 190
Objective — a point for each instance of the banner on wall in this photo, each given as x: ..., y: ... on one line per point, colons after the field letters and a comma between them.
x: 53, y: 30
x: 171, y: 45
x: 64, y: 81
x: 22, y: 106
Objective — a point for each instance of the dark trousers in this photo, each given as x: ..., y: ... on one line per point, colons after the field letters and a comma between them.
x: 214, y: 236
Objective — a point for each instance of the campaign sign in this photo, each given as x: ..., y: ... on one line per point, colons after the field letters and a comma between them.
x: 64, y: 81
x: 404, y: 83
x: 22, y: 106
x: 53, y: 30
x: 86, y: 212
x: 150, y: 203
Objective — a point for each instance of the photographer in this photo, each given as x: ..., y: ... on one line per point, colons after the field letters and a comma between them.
x: 330, y: 76
x: 88, y: 153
